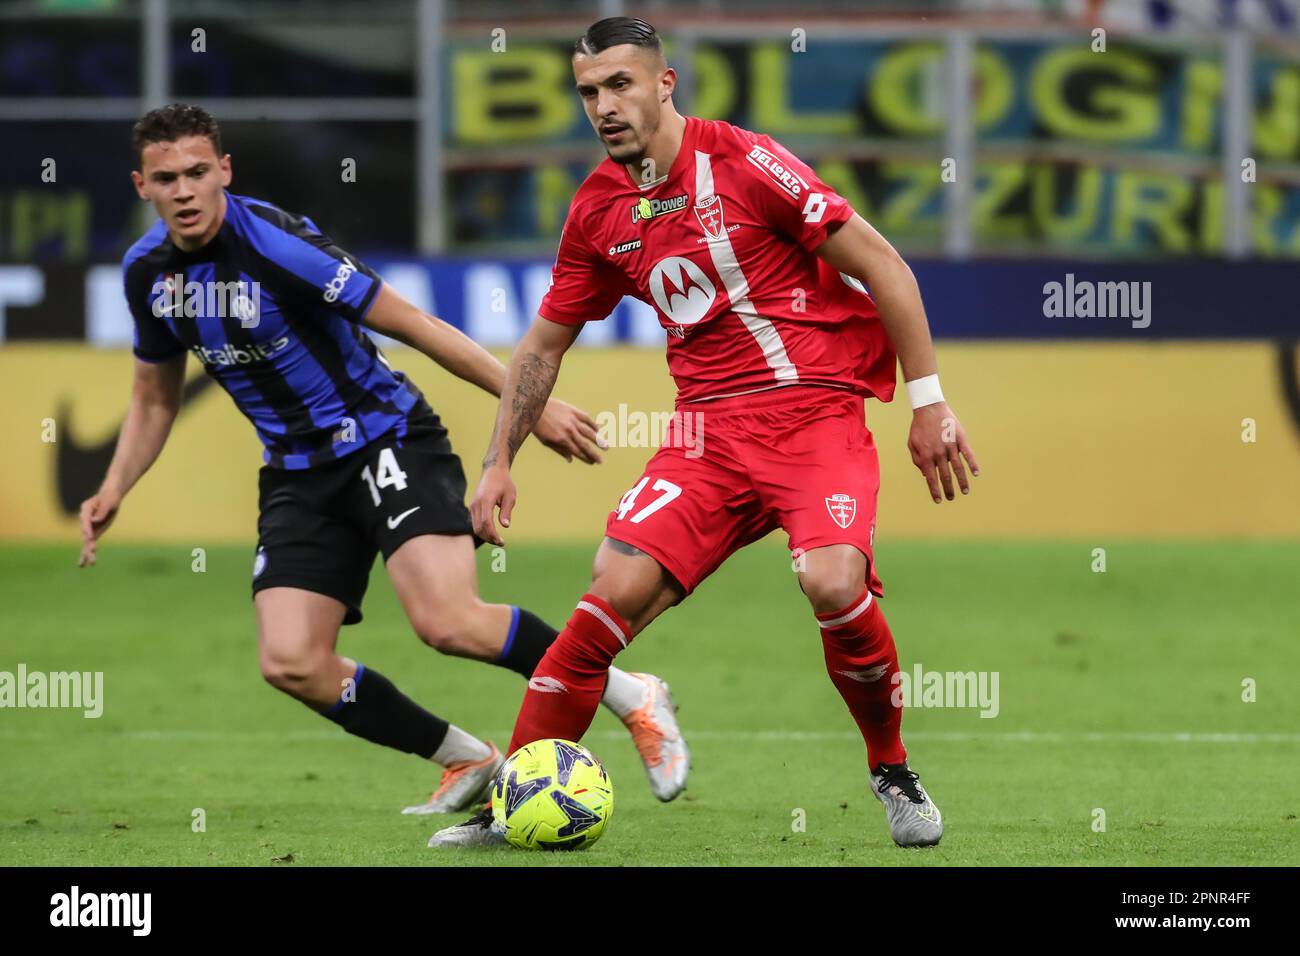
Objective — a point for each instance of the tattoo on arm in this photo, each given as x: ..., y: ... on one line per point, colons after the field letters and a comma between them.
x: 531, y: 391
x: 490, y: 458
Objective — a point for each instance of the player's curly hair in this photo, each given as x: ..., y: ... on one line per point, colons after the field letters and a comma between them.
x: 613, y: 31
x: 169, y: 123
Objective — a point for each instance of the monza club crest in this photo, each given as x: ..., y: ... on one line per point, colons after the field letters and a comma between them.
x: 842, y: 509
x: 709, y: 213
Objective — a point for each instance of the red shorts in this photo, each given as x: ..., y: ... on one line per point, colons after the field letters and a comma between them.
x: 732, y: 470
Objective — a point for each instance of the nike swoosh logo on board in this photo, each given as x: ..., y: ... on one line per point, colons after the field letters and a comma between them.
x: 79, y: 467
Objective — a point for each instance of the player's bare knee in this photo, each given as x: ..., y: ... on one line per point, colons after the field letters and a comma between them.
x: 632, y: 598
x: 833, y: 577
x: 436, y: 630
x: 832, y: 588
x: 631, y: 582
x: 448, y: 630
x: 293, y: 674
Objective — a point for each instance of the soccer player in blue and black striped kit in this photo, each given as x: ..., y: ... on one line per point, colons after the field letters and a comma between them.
x: 356, y: 461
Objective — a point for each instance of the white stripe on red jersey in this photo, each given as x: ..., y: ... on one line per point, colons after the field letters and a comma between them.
x: 722, y: 248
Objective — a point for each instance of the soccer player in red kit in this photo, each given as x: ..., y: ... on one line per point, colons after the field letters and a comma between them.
x: 753, y: 265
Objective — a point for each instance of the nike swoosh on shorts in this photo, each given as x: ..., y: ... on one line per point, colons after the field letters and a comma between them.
x: 394, y: 522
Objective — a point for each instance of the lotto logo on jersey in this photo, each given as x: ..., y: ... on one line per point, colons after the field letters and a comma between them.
x: 781, y: 174
x: 650, y: 208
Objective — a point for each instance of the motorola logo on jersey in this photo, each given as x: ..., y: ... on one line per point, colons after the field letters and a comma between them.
x: 681, y: 290
x: 235, y: 355
x: 334, y: 288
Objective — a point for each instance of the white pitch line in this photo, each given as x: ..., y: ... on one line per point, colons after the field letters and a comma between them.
x: 1019, y: 736
x: 1013, y: 736
x: 737, y: 736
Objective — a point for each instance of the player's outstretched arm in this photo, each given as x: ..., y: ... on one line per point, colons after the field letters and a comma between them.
x: 155, y: 401
x: 561, y: 427
x: 936, y: 440
x: 533, y: 370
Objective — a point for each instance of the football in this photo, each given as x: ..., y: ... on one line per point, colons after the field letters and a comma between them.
x: 552, y: 795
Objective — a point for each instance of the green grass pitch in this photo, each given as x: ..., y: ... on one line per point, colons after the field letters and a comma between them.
x: 1120, y: 692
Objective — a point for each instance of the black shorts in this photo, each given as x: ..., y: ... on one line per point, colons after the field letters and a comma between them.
x: 320, y: 528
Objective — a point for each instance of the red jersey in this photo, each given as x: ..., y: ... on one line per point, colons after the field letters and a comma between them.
x: 722, y: 248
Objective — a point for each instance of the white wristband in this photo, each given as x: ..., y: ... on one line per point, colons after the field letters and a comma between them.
x: 924, y: 391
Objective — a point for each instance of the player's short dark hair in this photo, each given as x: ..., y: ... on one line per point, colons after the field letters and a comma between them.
x: 170, y: 123
x: 615, y: 31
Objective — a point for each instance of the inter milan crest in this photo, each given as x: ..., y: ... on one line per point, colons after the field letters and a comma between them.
x: 842, y: 509
x: 709, y: 213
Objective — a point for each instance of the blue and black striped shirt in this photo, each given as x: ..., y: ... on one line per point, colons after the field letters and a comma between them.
x: 271, y: 308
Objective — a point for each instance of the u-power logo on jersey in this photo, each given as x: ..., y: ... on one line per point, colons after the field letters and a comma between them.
x: 650, y: 208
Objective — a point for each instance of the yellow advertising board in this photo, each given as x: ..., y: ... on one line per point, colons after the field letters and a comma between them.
x: 1089, y: 441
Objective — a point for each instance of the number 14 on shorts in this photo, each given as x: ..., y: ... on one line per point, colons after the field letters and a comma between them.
x: 388, y: 474
x: 668, y: 491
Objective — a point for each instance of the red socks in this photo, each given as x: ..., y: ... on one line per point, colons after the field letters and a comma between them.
x: 567, y: 685
x: 861, y: 660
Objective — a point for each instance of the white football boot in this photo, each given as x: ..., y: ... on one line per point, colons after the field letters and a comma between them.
x: 913, y: 818
x: 462, y: 785
x: 659, y: 740
x: 478, y: 830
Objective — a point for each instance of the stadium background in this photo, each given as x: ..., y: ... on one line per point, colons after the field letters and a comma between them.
x: 468, y: 144
x: 1175, y: 446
